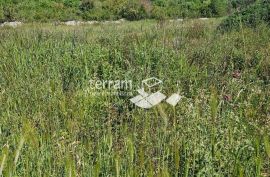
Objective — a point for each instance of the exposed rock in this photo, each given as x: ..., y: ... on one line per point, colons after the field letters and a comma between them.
x: 203, y: 18
x: 12, y: 24
x: 122, y: 20
x: 73, y: 23
x: 177, y: 20
x: 91, y: 22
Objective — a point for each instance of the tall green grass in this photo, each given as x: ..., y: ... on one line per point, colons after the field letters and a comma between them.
x: 51, y: 126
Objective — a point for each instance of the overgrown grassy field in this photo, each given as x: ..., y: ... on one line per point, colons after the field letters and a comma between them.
x: 50, y: 125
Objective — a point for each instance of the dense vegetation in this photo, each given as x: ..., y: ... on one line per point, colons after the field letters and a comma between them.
x: 51, y: 10
x: 252, y: 16
x: 51, y: 126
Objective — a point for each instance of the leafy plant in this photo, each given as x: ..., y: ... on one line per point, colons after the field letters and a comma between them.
x: 2, y: 16
x: 132, y: 10
x: 86, y: 5
x: 251, y: 17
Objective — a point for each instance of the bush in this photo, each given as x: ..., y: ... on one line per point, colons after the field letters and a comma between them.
x: 70, y: 3
x: 29, y: 10
x: 205, y: 11
x: 158, y: 13
x: 96, y: 14
x: 132, y: 10
x: 159, y: 3
x: 241, y: 3
x: 9, y: 13
x: 86, y: 5
x: 2, y: 17
x: 218, y: 7
x: 250, y: 17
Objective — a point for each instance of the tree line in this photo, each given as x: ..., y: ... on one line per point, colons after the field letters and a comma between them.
x: 64, y: 10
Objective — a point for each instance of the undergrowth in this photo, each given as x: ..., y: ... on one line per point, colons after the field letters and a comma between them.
x: 51, y: 126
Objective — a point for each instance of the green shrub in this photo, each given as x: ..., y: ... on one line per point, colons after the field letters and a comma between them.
x: 70, y: 3
x: 132, y: 10
x: 218, y: 7
x: 191, y: 9
x: 174, y: 12
x: 32, y: 10
x: 2, y: 17
x: 158, y: 13
x: 241, y: 3
x: 96, y: 14
x: 86, y: 5
x: 9, y: 12
x: 205, y: 11
x: 160, y: 3
x: 250, y: 17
